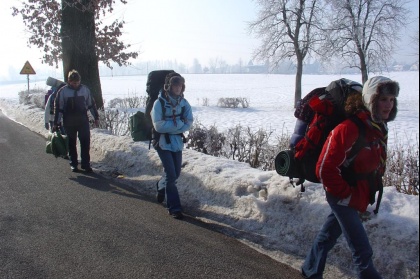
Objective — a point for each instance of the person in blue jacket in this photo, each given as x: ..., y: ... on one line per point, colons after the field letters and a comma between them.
x: 171, y: 116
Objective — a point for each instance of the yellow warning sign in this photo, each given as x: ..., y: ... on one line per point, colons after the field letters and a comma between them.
x: 27, y: 69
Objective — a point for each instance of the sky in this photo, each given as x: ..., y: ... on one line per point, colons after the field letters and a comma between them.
x: 181, y: 30
x: 260, y: 208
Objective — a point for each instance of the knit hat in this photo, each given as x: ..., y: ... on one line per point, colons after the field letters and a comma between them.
x: 172, y: 79
x: 373, y: 89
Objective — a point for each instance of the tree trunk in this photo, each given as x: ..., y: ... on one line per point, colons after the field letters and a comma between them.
x: 298, y: 81
x: 363, y: 69
x: 78, y: 43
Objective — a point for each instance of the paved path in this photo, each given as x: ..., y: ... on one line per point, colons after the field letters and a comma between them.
x: 59, y: 224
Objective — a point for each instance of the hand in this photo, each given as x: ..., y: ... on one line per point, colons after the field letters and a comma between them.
x: 47, y: 126
x: 96, y: 122
x: 55, y: 127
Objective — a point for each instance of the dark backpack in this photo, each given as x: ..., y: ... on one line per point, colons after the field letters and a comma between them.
x: 320, y: 112
x: 154, y: 84
x: 141, y: 126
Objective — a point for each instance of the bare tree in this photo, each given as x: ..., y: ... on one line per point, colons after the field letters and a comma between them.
x: 363, y: 32
x: 214, y: 64
x: 72, y: 31
x: 289, y: 30
x: 415, y: 40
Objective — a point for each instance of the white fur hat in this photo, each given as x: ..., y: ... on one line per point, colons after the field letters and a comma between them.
x: 375, y: 87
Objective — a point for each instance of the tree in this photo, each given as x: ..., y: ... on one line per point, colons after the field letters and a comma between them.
x: 415, y: 42
x: 290, y: 31
x: 196, y: 67
x: 71, y: 31
x: 363, y: 32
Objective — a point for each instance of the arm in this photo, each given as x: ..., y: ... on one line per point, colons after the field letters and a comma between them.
x: 164, y: 126
x: 93, y: 109
x: 333, y: 156
x: 188, y: 118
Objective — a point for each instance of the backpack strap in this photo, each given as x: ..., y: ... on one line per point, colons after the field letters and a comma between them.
x: 347, y: 171
x: 361, y: 140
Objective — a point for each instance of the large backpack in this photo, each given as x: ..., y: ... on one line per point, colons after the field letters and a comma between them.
x: 55, y: 86
x: 141, y: 123
x: 317, y: 114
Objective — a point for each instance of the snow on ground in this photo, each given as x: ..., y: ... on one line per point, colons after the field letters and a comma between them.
x: 260, y: 208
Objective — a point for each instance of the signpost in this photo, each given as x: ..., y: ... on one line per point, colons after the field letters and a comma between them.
x: 27, y: 70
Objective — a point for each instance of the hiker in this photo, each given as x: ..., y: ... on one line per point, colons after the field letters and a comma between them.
x: 171, y: 116
x: 349, y: 195
x: 49, y: 110
x: 71, y: 105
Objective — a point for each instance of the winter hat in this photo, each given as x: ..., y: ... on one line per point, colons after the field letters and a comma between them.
x: 172, y: 79
x: 373, y: 89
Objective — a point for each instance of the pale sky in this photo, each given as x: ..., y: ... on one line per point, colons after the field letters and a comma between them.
x: 180, y: 30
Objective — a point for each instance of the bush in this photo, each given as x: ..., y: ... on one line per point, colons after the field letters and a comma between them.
x: 403, y: 168
x: 128, y: 102
x: 115, y: 121
x: 207, y: 141
x: 233, y: 102
x: 116, y: 117
x: 34, y: 97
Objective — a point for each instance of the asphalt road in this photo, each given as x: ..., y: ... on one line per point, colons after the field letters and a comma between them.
x: 59, y: 224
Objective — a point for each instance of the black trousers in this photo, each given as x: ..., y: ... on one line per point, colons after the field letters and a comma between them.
x: 82, y: 132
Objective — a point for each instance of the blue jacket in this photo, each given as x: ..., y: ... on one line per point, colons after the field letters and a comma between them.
x: 168, y: 124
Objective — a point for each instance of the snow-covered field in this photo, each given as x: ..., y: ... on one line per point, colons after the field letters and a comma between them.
x: 270, y: 98
x: 260, y: 208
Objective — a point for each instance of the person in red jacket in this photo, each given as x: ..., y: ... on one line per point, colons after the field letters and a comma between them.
x: 350, y: 191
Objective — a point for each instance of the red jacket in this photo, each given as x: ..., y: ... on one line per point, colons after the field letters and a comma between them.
x: 371, y: 158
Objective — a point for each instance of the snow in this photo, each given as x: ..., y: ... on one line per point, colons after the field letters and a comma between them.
x: 257, y: 207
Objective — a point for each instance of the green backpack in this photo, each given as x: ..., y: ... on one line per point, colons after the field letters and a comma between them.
x: 57, y: 144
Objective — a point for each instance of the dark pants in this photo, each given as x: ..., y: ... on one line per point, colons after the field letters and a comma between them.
x: 172, y: 166
x: 82, y: 132
x: 343, y: 220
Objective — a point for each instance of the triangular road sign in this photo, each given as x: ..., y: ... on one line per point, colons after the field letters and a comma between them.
x: 27, y: 69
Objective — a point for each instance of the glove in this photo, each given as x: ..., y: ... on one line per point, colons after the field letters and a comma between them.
x: 47, y: 126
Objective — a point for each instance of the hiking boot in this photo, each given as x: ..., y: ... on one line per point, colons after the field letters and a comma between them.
x: 177, y: 215
x: 87, y: 169
x: 160, y: 196
x: 74, y: 169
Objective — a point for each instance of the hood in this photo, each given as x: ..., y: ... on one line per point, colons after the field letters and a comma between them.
x: 373, y: 89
